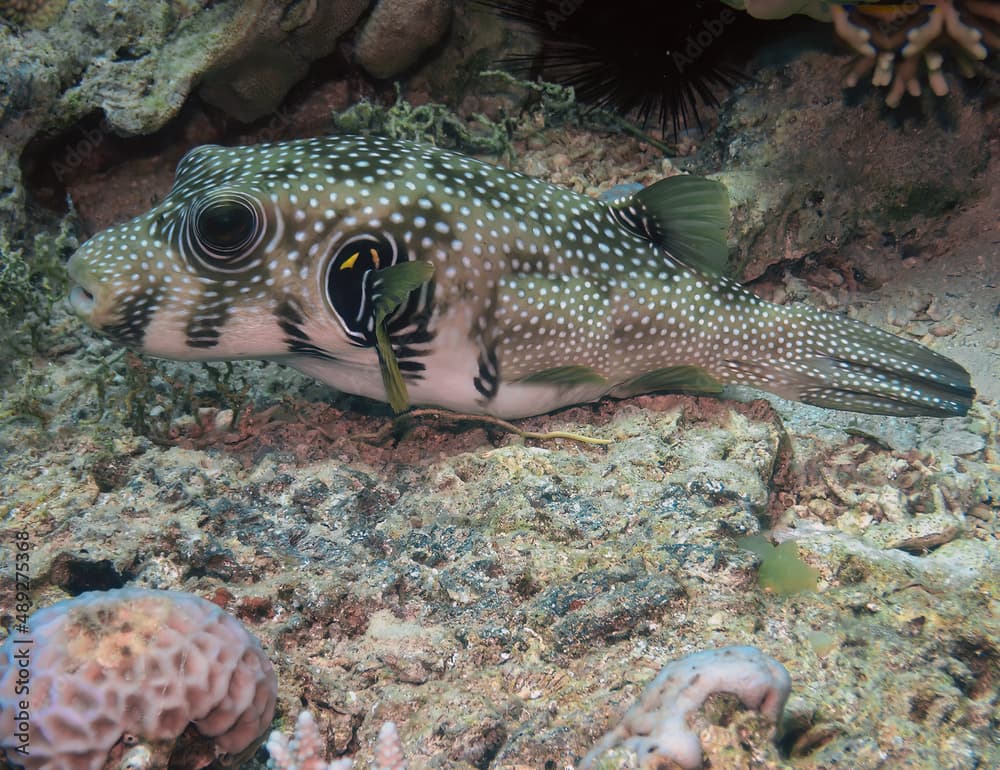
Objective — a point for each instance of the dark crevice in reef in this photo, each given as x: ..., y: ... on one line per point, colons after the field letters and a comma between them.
x: 77, y: 574
x: 110, y: 177
x: 52, y: 166
x: 982, y: 660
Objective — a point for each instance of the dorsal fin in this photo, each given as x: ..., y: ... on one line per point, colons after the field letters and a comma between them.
x: 686, y: 215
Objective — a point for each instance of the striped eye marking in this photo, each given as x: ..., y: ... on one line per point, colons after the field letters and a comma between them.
x: 353, y: 259
x: 352, y: 281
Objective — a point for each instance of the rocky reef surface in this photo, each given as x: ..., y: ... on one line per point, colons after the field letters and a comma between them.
x: 137, y: 63
x: 502, y: 600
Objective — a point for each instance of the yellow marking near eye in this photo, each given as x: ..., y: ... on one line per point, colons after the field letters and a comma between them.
x: 375, y: 258
x: 349, y: 262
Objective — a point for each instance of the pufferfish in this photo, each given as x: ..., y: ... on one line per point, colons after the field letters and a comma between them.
x: 414, y: 275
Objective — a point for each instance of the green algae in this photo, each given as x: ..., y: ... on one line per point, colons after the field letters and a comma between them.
x: 433, y: 123
x: 32, y: 280
x: 781, y: 570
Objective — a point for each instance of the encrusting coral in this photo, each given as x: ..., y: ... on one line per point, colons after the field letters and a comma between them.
x: 304, y: 751
x: 38, y: 14
x: 134, y: 678
x: 656, y: 727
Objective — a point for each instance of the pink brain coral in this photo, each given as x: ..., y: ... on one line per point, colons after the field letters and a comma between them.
x: 113, y: 669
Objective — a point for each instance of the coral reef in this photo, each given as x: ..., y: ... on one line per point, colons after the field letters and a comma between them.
x: 120, y: 675
x: 656, y: 727
x: 505, y: 600
x: 108, y: 57
x: 397, y: 32
x: 841, y: 180
x: 502, y: 600
x: 38, y: 14
x: 271, y: 50
x: 304, y: 751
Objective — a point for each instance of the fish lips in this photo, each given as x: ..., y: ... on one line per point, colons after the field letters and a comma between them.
x: 85, y: 295
x: 81, y: 299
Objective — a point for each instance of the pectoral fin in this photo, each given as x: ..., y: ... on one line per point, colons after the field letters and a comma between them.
x: 392, y: 289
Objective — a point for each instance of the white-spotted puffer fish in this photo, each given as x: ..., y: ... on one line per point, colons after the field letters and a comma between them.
x: 409, y: 274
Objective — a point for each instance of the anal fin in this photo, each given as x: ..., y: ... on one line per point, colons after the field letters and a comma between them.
x: 393, y: 288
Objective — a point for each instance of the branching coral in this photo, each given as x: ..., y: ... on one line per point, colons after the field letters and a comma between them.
x: 304, y: 751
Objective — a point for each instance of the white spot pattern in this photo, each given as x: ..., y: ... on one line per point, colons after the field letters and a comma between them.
x: 546, y: 278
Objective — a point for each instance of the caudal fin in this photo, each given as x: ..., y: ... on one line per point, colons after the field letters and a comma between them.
x: 836, y: 362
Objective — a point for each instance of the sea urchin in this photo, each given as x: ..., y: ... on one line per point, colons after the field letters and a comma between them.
x: 637, y: 57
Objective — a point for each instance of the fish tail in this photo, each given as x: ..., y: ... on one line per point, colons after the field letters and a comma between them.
x: 836, y: 362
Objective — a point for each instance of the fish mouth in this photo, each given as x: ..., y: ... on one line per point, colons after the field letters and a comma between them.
x: 82, y: 301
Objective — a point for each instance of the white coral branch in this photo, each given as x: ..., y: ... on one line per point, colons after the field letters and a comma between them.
x: 304, y: 751
x: 389, y: 749
x: 656, y: 727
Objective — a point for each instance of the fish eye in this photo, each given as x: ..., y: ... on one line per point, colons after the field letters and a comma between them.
x: 226, y: 225
x: 223, y: 229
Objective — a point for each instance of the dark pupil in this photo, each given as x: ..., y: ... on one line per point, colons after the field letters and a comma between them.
x: 226, y: 225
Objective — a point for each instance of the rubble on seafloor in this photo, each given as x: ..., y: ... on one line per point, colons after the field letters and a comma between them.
x: 504, y: 601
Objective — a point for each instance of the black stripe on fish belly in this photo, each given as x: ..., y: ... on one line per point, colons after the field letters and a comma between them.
x: 289, y: 312
x: 136, y: 311
x: 404, y: 354
x: 203, y: 330
x: 411, y: 367
x: 488, y: 380
x: 297, y: 341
